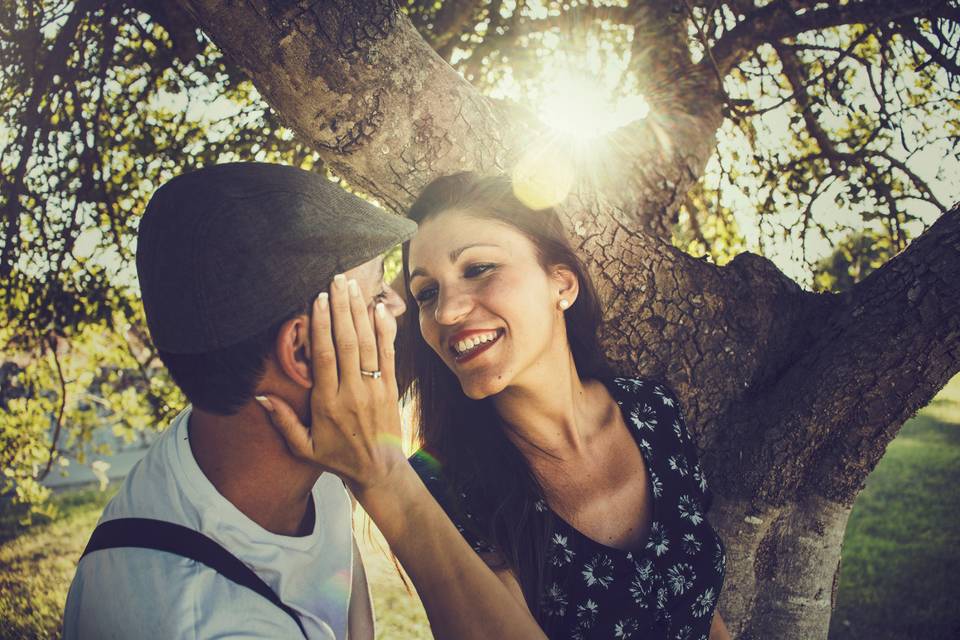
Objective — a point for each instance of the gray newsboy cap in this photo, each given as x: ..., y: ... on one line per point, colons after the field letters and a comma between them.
x: 225, y: 252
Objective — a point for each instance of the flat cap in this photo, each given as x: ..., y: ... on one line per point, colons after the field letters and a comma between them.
x: 225, y: 252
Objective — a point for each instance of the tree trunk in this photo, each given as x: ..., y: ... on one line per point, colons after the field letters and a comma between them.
x: 783, y: 566
x: 792, y: 396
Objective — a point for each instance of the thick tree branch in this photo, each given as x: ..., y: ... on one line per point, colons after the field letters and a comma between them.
x: 895, y: 342
x: 870, y: 358
x: 356, y: 81
x: 912, y: 34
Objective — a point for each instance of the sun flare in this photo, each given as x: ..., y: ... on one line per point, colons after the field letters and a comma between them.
x: 581, y: 107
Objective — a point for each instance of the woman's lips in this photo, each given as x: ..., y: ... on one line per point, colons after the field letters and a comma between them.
x: 473, y: 351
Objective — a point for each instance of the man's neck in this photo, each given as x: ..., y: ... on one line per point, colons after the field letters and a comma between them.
x: 249, y: 464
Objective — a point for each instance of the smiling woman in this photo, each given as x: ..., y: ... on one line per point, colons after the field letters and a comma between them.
x: 582, y: 491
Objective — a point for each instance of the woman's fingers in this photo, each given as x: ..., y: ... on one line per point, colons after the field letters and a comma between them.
x: 322, y: 352
x: 284, y: 420
x: 367, y: 343
x: 344, y: 333
x: 386, y: 334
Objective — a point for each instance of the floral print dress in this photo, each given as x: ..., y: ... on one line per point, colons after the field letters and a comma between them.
x: 669, y: 587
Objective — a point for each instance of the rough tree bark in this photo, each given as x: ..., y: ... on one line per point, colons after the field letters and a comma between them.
x: 792, y: 396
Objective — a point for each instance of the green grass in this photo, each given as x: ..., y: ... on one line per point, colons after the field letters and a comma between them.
x: 37, y: 563
x: 901, y: 566
x: 900, y: 577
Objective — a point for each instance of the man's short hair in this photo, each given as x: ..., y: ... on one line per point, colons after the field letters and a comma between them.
x: 222, y: 381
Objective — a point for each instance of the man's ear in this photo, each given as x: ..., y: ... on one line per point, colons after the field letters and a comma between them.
x: 292, y: 350
x: 568, y: 286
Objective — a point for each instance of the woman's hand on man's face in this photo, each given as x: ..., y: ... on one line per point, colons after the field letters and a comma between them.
x: 355, y: 430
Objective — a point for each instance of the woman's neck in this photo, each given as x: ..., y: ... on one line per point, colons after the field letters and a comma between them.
x: 553, y: 414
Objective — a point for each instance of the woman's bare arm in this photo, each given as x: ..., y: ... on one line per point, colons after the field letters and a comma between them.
x: 718, y: 630
x: 462, y: 596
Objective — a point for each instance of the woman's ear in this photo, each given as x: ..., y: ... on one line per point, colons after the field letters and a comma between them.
x: 292, y: 350
x: 567, y: 285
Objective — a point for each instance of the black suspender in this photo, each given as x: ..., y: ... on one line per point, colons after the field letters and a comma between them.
x: 146, y: 533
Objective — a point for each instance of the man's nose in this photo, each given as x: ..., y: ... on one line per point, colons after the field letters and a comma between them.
x: 394, y: 303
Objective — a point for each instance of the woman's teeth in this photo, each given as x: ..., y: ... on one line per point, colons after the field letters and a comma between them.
x: 472, y: 342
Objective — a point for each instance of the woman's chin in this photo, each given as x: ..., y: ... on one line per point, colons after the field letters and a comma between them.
x: 478, y: 387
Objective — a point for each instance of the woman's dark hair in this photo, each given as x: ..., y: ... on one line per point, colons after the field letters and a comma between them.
x: 466, y: 436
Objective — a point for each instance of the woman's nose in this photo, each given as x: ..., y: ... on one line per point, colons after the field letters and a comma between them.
x: 452, y: 307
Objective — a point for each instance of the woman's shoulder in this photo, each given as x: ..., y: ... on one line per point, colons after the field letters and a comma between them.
x: 647, y: 389
x: 647, y: 404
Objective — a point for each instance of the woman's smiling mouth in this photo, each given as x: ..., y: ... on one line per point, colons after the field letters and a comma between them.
x: 467, y: 345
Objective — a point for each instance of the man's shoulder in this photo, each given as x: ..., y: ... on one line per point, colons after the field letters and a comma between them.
x: 132, y: 592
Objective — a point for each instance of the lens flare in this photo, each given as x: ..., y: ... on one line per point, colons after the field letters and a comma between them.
x: 580, y: 107
x: 543, y: 176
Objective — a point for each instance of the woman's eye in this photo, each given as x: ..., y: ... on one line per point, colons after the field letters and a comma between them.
x: 380, y: 297
x: 479, y: 269
x: 425, y: 295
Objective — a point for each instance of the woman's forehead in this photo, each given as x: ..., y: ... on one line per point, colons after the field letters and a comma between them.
x: 459, y: 226
x: 448, y: 235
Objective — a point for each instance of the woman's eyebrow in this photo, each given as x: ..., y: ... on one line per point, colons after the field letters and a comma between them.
x: 456, y: 252
x: 453, y: 255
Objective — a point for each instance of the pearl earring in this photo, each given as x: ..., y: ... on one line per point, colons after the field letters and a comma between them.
x: 564, y: 303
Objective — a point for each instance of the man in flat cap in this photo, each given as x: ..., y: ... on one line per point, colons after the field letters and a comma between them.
x: 220, y: 530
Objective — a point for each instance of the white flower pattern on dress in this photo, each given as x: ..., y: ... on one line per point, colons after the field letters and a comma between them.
x: 644, y: 417
x: 560, y: 553
x: 640, y: 590
x: 655, y: 485
x: 624, y: 629
x: 719, y: 560
x: 690, y: 544
x: 664, y: 396
x: 598, y: 571
x: 666, y: 589
x: 684, y: 633
x: 586, y: 614
x: 554, y: 601
x: 704, y: 603
x: 678, y: 463
x: 690, y: 510
x: 680, y: 577
x: 658, y: 540
x: 699, y: 477
x: 646, y: 448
